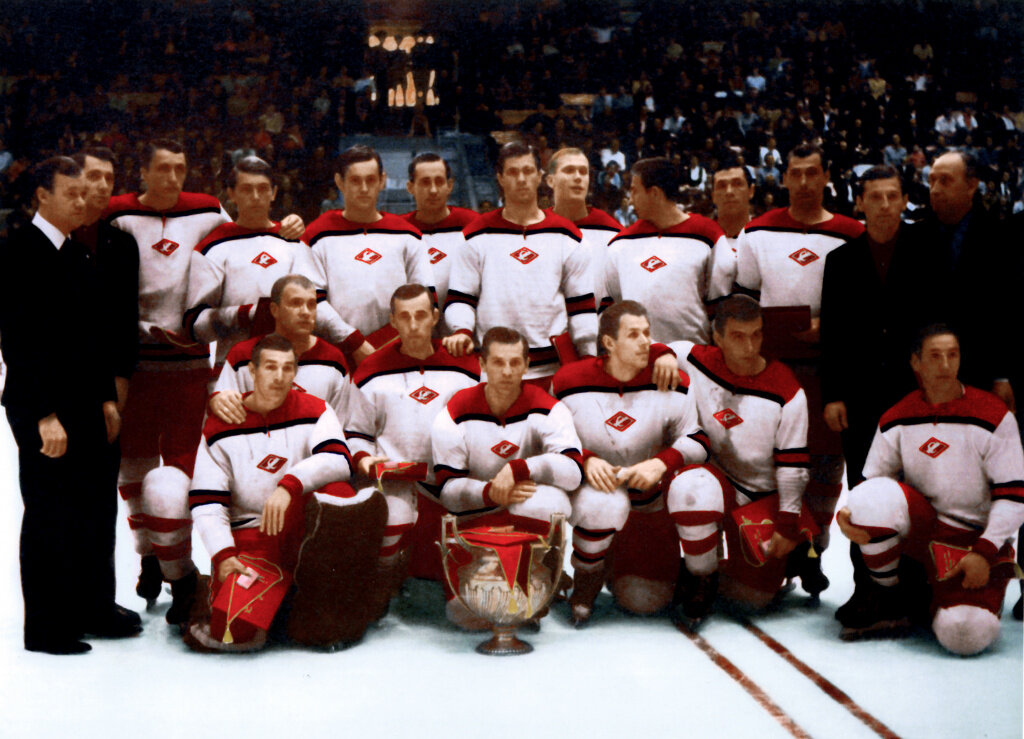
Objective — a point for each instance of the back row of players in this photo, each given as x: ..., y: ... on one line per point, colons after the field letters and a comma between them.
x: 669, y: 443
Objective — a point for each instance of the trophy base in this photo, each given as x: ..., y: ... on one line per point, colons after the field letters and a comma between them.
x: 504, y: 642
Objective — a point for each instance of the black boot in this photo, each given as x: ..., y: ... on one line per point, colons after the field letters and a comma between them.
x: 694, y: 596
x: 183, y: 595
x: 801, y: 564
x: 586, y: 585
x: 150, y: 580
x: 874, y: 611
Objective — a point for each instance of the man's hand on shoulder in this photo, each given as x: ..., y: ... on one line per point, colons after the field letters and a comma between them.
x: 227, y: 406
x: 1002, y: 390
x: 458, y: 345
x: 292, y: 226
x: 666, y: 372
x: 365, y: 349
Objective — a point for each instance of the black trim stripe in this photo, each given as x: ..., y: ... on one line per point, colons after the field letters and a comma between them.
x: 327, y: 442
x: 752, y: 494
x: 735, y: 389
x: 701, y: 438
x: 442, y: 230
x: 596, y: 227
x: 787, y: 230
x: 454, y: 296
x: 523, y: 232
x: 696, y: 237
x: 486, y: 417
x: 621, y: 390
x: 919, y: 420
x: 738, y: 288
x: 636, y: 502
x: 474, y: 512
x: 243, y: 522
x: 366, y: 231
x: 190, y: 318
x: 1013, y: 497
x: 163, y: 214
x: 323, y: 363
x: 259, y: 429
x: 593, y: 534
x: 350, y: 434
x: 239, y: 237
x: 425, y: 368
x: 880, y: 539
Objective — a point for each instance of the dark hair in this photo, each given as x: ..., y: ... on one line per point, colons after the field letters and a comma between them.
x: 877, y: 172
x: 277, y: 289
x: 503, y: 335
x: 802, y: 151
x: 565, y: 151
x: 44, y: 173
x: 932, y: 329
x: 250, y: 165
x: 408, y: 292
x: 608, y: 325
x: 273, y: 343
x: 658, y: 172
x: 731, y: 161
x: 428, y: 157
x: 740, y: 308
x: 155, y: 145
x: 514, y: 149
x: 96, y: 152
x: 354, y: 155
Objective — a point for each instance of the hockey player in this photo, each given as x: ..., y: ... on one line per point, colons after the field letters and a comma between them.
x: 164, y: 409
x: 320, y: 369
x: 755, y: 415
x: 635, y: 438
x: 401, y: 388
x: 361, y: 255
x: 505, y: 446
x: 249, y: 486
x: 522, y: 268
x: 945, y: 488
x: 732, y: 189
x: 234, y: 267
x: 781, y: 262
x: 668, y: 256
x: 569, y: 179
x: 430, y: 183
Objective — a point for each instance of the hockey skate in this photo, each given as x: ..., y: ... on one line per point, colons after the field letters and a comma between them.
x: 587, y: 584
x: 874, y: 612
x: 150, y: 580
x: 183, y: 596
x: 808, y: 568
x: 694, y: 596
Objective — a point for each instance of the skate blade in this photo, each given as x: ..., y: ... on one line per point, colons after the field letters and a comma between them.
x: 896, y: 629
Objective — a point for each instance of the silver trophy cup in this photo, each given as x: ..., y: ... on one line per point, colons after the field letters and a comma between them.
x: 482, y: 584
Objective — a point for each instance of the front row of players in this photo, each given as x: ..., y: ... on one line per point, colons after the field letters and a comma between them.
x: 643, y: 473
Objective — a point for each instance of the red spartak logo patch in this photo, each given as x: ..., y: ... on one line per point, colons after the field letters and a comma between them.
x: 367, y: 256
x: 272, y: 463
x: 166, y: 246
x: 436, y: 255
x: 803, y: 257
x: 620, y: 421
x: 653, y: 264
x: 423, y: 395
x: 264, y: 260
x: 728, y: 418
x: 933, y: 447
x: 524, y: 255
x: 504, y: 449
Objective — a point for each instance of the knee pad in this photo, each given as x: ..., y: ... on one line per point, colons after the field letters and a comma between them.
x: 696, y: 490
x: 595, y: 509
x: 165, y: 493
x: 545, y: 501
x: 965, y: 630
x: 401, y: 505
x: 641, y: 595
x: 880, y: 502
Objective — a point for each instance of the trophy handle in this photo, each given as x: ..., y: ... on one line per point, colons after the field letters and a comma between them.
x: 554, y: 540
x: 449, y: 531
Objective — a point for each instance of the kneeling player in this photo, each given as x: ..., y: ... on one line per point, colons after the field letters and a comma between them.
x: 622, y: 419
x: 958, y: 452
x: 755, y: 415
x: 504, y: 447
x: 249, y: 482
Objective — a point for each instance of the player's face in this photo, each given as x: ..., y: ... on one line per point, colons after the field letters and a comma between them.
x: 938, y: 364
x: 805, y: 179
x: 64, y: 206
x: 640, y: 197
x: 360, y: 186
x: 740, y: 342
x: 99, y: 182
x: 296, y: 314
x: 505, y: 366
x: 730, y: 191
x: 571, y: 180
x: 414, y: 319
x: 882, y: 203
x: 632, y: 346
x: 520, y: 179
x: 253, y: 194
x: 272, y: 377
x: 951, y: 192
x: 165, y: 175
x: 430, y: 186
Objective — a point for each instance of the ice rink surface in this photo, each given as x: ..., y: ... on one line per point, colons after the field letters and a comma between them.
x: 414, y: 676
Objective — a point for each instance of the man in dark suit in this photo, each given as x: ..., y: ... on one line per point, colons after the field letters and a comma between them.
x: 61, y: 404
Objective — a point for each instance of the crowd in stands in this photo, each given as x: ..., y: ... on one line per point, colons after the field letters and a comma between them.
x: 873, y: 81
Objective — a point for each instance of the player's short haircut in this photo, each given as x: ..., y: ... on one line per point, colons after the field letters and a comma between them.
x: 731, y: 161
x: 808, y: 150
x: 355, y: 155
x: 612, y: 317
x: 273, y: 343
x: 567, y: 151
x: 45, y: 173
x: 514, y: 149
x: 658, y: 172
x: 155, y: 145
x: 932, y: 329
x: 408, y: 291
x: 277, y: 289
x: 740, y: 308
x: 428, y: 157
x: 96, y: 152
x: 503, y: 335
x: 250, y: 165
x: 877, y: 172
